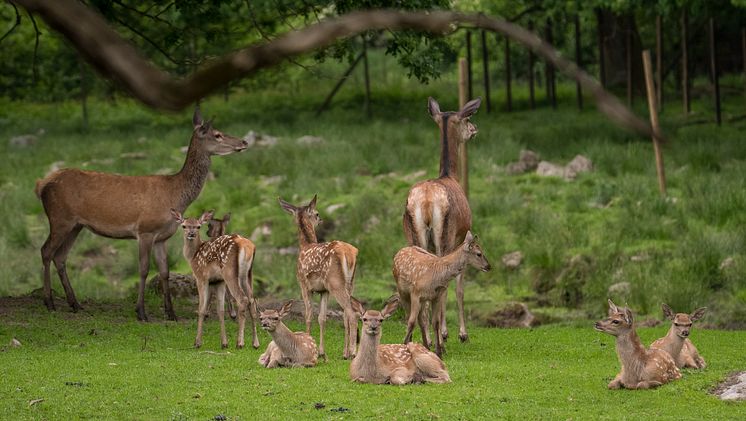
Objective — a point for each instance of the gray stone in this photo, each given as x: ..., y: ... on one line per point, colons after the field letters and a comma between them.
x: 513, y: 315
x: 548, y: 169
x: 309, y: 140
x: 512, y: 260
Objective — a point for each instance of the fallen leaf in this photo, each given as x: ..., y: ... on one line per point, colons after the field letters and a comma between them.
x: 35, y: 401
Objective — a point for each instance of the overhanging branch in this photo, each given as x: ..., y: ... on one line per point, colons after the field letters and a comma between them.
x: 117, y: 59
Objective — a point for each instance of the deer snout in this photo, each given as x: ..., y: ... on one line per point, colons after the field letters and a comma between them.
x: 597, y: 326
x: 487, y: 268
x: 244, y: 144
x: 685, y: 333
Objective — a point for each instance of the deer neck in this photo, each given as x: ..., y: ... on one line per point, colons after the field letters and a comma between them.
x: 631, y: 352
x: 283, y: 337
x: 448, y: 266
x: 367, y: 357
x: 448, y: 150
x: 306, y: 232
x: 191, y: 247
x: 673, y: 342
x: 191, y: 178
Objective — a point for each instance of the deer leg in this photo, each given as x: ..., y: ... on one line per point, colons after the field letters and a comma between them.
x: 437, y: 332
x: 322, y: 323
x: 647, y: 384
x: 414, y: 313
x: 246, y: 285
x: 350, y: 323
x: 424, y: 328
x: 616, y: 383
x: 203, y: 292
x: 48, y: 250
x: 60, y: 257
x: 441, y: 312
x: 220, y: 301
x: 231, y: 305
x: 305, y: 294
x: 462, y: 335
x: 231, y: 281
x: 161, y: 260
x: 145, y: 243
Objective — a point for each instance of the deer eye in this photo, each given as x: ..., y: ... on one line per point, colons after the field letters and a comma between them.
x: 479, y: 254
x: 616, y: 322
x: 365, y: 319
x: 275, y: 318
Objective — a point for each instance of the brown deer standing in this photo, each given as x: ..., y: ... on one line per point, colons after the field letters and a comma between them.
x: 215, y: 228
x: 421, y: 277
x: 641, y: 368
x: 287, y: 349
x: 437, y: 216
x: 126, y: 207
x: 677, y: 342
x: 392, y: 363
x: 324, y: 268
x: 227, y: 262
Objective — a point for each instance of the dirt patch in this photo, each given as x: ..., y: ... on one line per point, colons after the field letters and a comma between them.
x: 733, y: 388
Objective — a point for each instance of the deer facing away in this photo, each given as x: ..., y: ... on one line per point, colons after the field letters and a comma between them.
x: 641, y: 368
x: 437, y: 215
x: 227, y: 262
x: 324, y: 268
x: 126, y: 207
x: 421, y: 277
x: 287, y: 349
x: 677, y: 342
x: 217, y: 227
x: 392, y: 363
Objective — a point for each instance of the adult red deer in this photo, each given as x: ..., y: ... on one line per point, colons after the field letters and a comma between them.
x: 126, y: 207
x: 437, y: 216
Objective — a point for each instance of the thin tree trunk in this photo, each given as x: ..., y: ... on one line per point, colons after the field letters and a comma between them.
x: 646, y: 61
x: 685, y: 62
x: 743, y: 53
x: 463, y: 158
x: 83, y: 93
x: 368, y: 110
x: 714, y: 71
x: 339, y: 84
x: 659, y: 61
x: 549, y: 70
x: 628, y: 49
x: 531, y: 61
x: 468, y: 68
x: 578, y: 61
x: 508, y: 82
x: 486, y: 70
x: 601, y: 48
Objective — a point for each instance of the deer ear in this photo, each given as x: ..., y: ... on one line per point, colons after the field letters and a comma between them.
x: 285, y: 309
x: 226, y: 218
x: 312, y: 203
x: 612, y: 307
x: 357, y: 307
x: 698, y: 314
x: 667, y: 311
x: 206, y: 216
x: 197, y: 117
x: 433, y: 108
x: 470, y: 108
x: 287, y: 206
x: 468, y: 240
x: 177, y: 215
x: 628, y: 315
x: 391, y: 305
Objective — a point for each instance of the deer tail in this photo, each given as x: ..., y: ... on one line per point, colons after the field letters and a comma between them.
x: 349, y: 262
x: 40, y: 184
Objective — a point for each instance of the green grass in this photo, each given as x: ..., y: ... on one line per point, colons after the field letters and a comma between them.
x: 101, y: 363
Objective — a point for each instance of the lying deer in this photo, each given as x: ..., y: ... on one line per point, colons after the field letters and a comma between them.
x: 641, y: 368
x: 324, y: 268
x: 225, y: 261
x: 677, y: 342
x: 392, y: 363
x: 215, y: 228
x: 127, y: 207
x: 437, y: 215
x: 287, y: 349
x: 421, y: 277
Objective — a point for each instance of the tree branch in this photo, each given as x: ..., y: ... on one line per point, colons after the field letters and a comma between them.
x: 37, y: 34
x: 115, y: 58
x: 18, y: 22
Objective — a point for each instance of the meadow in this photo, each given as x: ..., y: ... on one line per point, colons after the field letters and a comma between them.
x: 687, y: 250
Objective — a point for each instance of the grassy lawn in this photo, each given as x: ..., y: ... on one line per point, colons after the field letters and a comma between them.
x: 101, y: 363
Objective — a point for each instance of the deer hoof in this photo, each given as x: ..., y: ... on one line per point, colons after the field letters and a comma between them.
x: 444, y: 335
x: 322, y: 356
x: 224, y: 345
x: 197, y: 345
x: 255, y: 345
x: 239, y: 346
x: 464, y: 337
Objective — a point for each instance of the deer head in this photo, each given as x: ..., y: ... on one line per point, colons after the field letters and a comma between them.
x: 191, y: 226
x: 217, y: 227
x: 474, y: 254
x: 306, y: 218
x: 271, y: 318
x: 458, y: 122
x: 214, y: 141
x: 682, y: 322
x: 619, y: 321
x: 372, y: 319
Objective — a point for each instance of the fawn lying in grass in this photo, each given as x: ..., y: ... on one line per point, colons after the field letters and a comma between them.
x: 641, y: 368
x: 391, y: 363
x: 287, y: 349
x: 677, y: 342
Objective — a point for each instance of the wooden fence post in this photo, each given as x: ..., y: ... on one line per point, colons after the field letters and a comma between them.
x: 463, y: 159
x: 486, y: 70
x: 654, y: 121
x: 531, y: 61
x: 578, y: 61
x: 714, y: 71
x: 508, y: 93
x: 470, y: 91
x: 685, y: 62
x: 659, y: 61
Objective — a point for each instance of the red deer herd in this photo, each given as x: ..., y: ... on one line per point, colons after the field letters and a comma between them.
x: 437, y: 226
